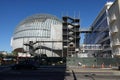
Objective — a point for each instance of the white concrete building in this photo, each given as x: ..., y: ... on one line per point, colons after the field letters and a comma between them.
x: 44, y: 28
x: 114, y: 20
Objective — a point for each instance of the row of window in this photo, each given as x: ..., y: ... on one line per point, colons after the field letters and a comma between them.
x: 116, y: 51
x: 91, y: 38
x: 100, y: 19
x: 115, y: 41
x: 34, y: 20
x: 28, y: 29
x: 39, y: 33
x: 35, y: 25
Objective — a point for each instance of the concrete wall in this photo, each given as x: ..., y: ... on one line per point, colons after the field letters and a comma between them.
x: 114, y: 19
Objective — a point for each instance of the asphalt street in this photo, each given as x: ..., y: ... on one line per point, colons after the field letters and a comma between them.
x: 55, y: 73
x: 95, y: 74
x: 39, y: 74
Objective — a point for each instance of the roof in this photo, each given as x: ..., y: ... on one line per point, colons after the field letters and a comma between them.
x: 39, y: 17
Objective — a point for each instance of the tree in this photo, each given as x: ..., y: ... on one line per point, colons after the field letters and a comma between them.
x: 14, y: 53
x: 1, y: 55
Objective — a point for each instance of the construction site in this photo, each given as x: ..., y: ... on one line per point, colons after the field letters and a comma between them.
x: 45, y: 34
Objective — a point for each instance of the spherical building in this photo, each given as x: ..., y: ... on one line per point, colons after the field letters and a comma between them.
x: 45, y: 33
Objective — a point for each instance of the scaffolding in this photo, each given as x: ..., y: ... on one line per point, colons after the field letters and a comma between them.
x: 70, y: 36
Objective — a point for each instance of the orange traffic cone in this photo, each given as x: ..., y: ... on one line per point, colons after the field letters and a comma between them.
x: 84, y: 66
x: 110, y: 66
x: 93, y: 66
x: 102, y: 66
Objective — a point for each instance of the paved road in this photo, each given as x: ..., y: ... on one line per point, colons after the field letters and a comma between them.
x: 54, y: 73
x: 94, y: 74
x: 40, y: 74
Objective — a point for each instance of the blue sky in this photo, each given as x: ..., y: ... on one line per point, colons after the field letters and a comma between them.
x: 12, y: 12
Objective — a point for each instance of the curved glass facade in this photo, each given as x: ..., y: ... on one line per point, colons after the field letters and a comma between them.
x: 100, y: 34
x: 36, y: 26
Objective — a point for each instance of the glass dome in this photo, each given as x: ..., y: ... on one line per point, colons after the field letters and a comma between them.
x: 38, y: 25
x: 45, y: 28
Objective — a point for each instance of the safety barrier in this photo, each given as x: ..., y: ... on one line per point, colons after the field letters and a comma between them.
x: 93, y: 62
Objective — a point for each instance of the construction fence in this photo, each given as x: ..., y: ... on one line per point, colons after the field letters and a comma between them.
x: 93, y: 62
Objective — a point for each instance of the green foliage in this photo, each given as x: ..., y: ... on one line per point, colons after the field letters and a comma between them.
x: 14, y: 53
x: 1, y: 55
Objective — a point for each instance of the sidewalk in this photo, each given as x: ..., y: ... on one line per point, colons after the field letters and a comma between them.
x: 99, y: 71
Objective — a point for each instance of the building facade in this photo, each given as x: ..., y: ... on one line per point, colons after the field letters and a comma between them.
x: 39, y: 34
x: 100, y: 34
x: 114, y: 26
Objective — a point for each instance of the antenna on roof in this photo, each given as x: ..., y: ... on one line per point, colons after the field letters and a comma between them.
x: 74, y: 14
x: 61, y: 14
x: 79, y: 16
